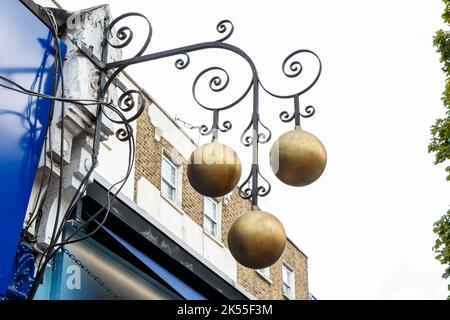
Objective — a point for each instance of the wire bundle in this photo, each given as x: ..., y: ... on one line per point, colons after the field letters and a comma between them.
x: 36, y: 211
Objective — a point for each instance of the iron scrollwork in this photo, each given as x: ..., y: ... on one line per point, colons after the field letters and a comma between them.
x: 247, y: 137
x: 292, y: 68
x: 218, y: 81
x: 183, y: 63
x: 246, y: 189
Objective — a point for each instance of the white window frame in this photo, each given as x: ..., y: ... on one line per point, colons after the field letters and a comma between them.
x: 265, y: 273
x: 290, y: 285
x: 217, y: 221
x: 164, y: 180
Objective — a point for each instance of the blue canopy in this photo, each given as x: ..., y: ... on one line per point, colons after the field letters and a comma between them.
x: 176, y: 283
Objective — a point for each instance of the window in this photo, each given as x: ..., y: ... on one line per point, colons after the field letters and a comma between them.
x: 265, y: 272
x: 169, y: 179
x: 288, y: 281
x: 211, y: 218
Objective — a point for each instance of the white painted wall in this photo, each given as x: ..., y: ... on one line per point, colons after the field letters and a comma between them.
x: 149, y: 198
x: 113, y: 159
x: 113, y: 162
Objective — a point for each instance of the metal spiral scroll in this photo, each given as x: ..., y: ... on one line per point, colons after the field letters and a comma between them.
x: 125, y: 34
x: 225, y: 26
x: 222, y: 27
x: 217, y: 83
x: 182, y: 63
x: 205, y: 130
x: 245, y: 189
x: 127, y: 103
x: 247, y: 136
x: 123, y: 134
x: 286, y: 117
x: 293, y: 68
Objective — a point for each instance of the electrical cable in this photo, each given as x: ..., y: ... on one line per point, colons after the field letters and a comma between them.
x: 35, y: 211
x: 16, y: 87
x: 84, y: 225
x: 83, y: 185
x: 107, y: 206
x: 62, y: 116
x: 58, y: 67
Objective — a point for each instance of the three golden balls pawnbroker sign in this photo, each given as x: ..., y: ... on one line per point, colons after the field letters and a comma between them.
x: 257, y: 239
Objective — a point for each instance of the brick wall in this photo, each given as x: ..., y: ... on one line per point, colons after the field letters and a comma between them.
x: 148, y: 165
x: 273, y: 289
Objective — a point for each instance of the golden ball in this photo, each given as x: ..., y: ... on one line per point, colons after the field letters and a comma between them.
x: 214, y: 169
x: 298, y: 158
x: 257, y: 239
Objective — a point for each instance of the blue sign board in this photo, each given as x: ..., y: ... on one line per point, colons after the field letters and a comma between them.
x: 26, y: 57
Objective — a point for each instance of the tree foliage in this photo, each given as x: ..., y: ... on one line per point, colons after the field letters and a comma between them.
x: 440, y: 142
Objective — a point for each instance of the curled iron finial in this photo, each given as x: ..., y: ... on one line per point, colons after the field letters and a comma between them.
x: 263, y: 190
x: 245, y: 189
x: 125, y: 34
x: 127, y: 102
x: 247, y: 134
x: 264, y: 137
x: 123, y: 134
x: 246, y: 137
x: 310, y: 111
x: 218, y: 82
x: 205, y: 130
x: 222, y: 27
x: 182, y: 63
x: 285, y: 117
x: 293, y: 68
x: 226, y: 126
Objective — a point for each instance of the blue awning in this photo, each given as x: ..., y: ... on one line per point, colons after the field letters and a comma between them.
x: 176, y: 283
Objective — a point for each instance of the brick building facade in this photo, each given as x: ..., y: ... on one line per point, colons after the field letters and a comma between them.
x: 159, y: 196
x: 151, y: 147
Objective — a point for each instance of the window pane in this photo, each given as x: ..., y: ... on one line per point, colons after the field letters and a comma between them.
x: 169, y: 171
x: 173, y: 174
x: 165, y: 169
x: 210, y: 227
x: 211, y: 209
x: 287, y: 276
x: 288, y: 281
x: 168, y: 190
x: 287, y: 290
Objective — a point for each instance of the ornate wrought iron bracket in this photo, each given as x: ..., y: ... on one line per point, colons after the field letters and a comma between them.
x: 120, y: 37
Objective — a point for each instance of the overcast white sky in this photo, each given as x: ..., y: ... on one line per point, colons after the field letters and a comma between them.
x: 366, y: 224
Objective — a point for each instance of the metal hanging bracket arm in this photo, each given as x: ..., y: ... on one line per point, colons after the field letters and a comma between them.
x: 251, y: 137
